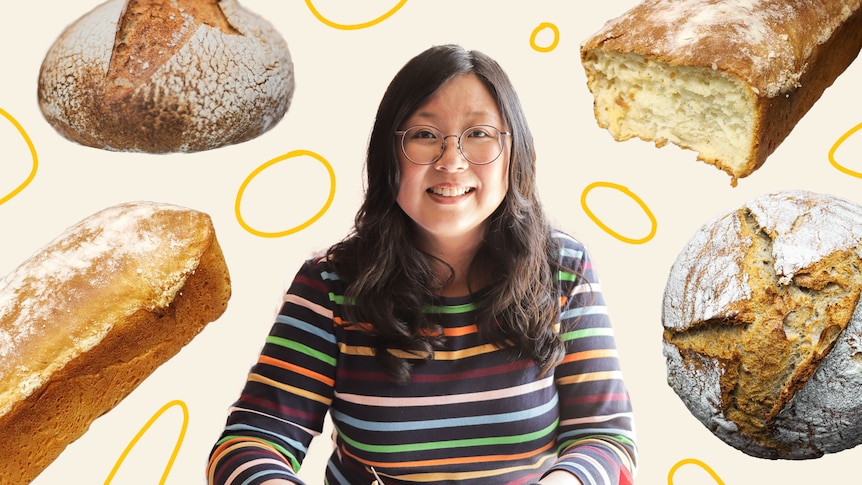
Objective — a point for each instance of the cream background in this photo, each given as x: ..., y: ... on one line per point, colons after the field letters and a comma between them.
x: 340, y: 77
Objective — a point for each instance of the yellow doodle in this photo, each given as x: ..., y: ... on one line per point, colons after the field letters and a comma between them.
x: 143, y: 430
x: 32, y: 148
x: 358, y: 26
x: 257, y: 171
x: 837, y: 144
x: 542, y: 26
x: 633, y: 196
x: 695, y: 462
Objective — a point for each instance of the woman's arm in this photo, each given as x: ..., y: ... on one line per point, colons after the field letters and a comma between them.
x: 560, y: 478
x: 287, y: 393
x: 596, y: 430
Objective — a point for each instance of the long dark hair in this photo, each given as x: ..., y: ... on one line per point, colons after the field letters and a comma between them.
x: 390, y: 280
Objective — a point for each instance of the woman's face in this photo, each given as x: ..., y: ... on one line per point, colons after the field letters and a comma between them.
x: 451, y: 199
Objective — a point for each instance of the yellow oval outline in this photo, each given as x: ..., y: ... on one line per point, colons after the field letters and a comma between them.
x: 33, y: 170
x: 542, y: 26
x: 837, y: 144
x: 143, y: 430
x: 258, y: 170
x: 362, y: 25
x: 696, y: 462
x: 633, y: 196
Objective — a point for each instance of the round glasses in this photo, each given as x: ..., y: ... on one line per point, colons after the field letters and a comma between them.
x: 424, y: 145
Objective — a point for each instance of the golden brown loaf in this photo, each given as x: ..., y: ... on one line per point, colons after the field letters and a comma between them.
x: 91, y: 315
x: 729, y: 80
x: 166, y: 76
x: 763, y: 331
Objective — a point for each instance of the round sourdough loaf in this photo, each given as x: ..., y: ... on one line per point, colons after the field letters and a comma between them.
x: 762, y: 333
x: 165, y: 76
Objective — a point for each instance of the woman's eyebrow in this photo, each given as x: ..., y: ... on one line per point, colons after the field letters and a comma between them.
x: 472, y: 115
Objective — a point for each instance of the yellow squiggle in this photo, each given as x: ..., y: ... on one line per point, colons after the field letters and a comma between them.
x: 258, y: 170
x: 32, y: 148
x: 542, y: 26
x: 362, y: 25
x: 696, y: 462
x: 630, y: 194
x: 185, y: 409
x: 837, y: 144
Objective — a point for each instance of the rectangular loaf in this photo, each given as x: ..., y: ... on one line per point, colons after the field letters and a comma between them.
x: 88, y: 317
x: 729, y: 79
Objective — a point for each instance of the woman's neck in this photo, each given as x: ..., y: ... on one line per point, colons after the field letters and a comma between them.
x: 457, y: 256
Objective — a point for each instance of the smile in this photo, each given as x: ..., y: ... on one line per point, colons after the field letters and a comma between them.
x: 450, y: 191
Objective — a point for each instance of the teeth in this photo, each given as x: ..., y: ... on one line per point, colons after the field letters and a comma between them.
x: 450, y: 191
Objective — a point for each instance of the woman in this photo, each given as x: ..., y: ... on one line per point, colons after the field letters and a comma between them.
x: 453, y: 336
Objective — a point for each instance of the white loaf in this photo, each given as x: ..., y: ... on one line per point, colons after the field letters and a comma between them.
x: 166, y: 76
x: 763, y: 331
x: 728, y: 79
x: 91, y: 315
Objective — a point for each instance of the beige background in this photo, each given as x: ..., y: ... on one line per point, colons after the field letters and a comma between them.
x: 340, y: 77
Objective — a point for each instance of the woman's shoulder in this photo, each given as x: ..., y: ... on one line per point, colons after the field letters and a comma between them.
x: 317, y: 270
x: 571, y: 249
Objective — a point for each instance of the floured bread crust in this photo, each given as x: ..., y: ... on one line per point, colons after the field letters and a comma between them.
x: 728, y: 79
x: 761, y: 317
x: 91, y: 315
x: 166, y: 76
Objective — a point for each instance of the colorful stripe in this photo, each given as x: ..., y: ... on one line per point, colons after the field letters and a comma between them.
x: 473, y: 413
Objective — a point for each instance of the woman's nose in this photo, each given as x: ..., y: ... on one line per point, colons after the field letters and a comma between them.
x: 452, y: 159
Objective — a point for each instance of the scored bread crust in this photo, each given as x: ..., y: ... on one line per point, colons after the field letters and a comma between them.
x: 86, y: 319
x: 762, y: 324
x: 164, y: 76
x: 772, y: 58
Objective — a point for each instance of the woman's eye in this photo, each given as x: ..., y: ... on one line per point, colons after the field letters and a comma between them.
x: 478, y: 133
x: 421, y: 133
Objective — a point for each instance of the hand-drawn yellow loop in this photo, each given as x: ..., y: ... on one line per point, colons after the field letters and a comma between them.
x: 32, y: 148
x: 143, y: 430
x: 696, y: 462
x: 362, y: 25
x: 258, y: 170
x: 610, y: 185
x: 553, y: 45
x: 838, y: 143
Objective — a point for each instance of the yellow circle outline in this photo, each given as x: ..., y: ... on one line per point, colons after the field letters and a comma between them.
x: 834, y: 148
x: 258, y: 170
x: 32, y: 148
x: 696, y: 462
x: 363, y: 25
x: 143, y: 430
x: 542, y: 26
x: 633, y: 196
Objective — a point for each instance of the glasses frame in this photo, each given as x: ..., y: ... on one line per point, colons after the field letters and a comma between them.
x: 500, y: 136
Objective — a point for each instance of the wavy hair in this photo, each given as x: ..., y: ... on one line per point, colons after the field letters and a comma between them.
x: 390, y: 280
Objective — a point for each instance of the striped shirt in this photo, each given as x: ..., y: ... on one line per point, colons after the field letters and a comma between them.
x: 474, y: 414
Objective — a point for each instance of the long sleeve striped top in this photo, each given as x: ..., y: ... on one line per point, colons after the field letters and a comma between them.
x: 474, y: 414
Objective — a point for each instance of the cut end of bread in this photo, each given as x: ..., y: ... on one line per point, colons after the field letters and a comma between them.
x: 729, y: 80
x: 694, y: 108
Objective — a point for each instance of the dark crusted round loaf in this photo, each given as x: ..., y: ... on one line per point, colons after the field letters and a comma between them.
x: 762, y: 332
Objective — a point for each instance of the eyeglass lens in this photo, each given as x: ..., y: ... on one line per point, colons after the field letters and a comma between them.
x: 425, y: 145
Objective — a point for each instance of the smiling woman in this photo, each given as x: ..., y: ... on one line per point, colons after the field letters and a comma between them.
x: 447, y: 199
x: 454, y: 336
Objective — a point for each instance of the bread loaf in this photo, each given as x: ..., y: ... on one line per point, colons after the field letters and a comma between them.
x: 729, y: 80
x: 763, y: 331
x: 166, y: 76
x: 91, y: 315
